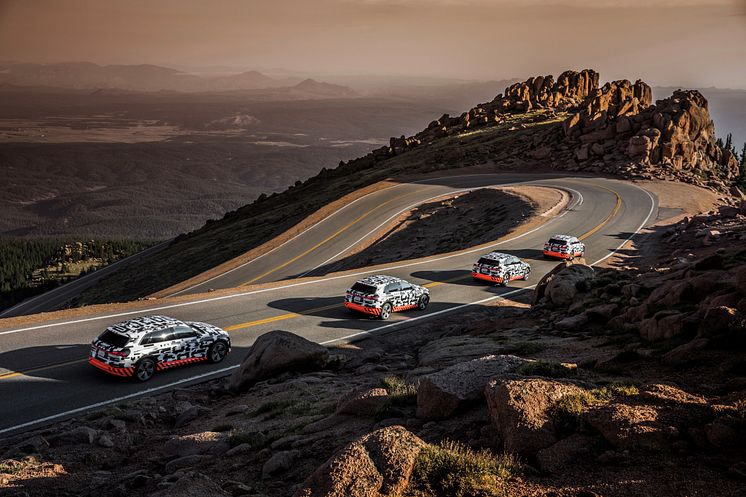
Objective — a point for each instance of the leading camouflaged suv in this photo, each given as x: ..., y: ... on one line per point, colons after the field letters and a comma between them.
x: 139, y: 347
x: 500, y: 268
x: 564, y: 247
x: 380, y: 295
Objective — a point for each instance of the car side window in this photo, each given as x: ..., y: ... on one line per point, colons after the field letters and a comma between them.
x: 159, y: 336
x: 182, y: 332
x: 405, y: 287
x: 392, y: 287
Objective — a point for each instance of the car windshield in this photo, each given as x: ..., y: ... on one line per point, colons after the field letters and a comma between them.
x: 363, y: 288
x: 554, y: 241
x: 114, y: 339
x: 488, y: 262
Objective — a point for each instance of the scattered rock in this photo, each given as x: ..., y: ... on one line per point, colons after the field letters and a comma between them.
x: 452, y: 350
x: 629, y: 427
x: 208, y: 442
x: 564, y: 453
x: 279, y: 462
x: 440, y: 394
x: 186, y: 462
x: 192, y: 485
x: 80, y: 435
x: 376, y: 465
x: 363, y: 402
x: 521, y: 411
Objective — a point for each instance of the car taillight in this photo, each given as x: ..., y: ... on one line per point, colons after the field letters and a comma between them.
x: 121, y: 353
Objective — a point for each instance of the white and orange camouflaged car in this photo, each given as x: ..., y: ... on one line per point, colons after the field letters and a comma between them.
x: 137, y: 348
x: 564, y: 247
x: 500, y: 268
x: 381, y: 295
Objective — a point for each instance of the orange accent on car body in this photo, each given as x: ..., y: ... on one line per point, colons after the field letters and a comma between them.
x: 124, y: 372
x: 405, y: 307
x: 559, y: 255
x: 361, y: 308
x: 487, y: 277
x: 179, y: 362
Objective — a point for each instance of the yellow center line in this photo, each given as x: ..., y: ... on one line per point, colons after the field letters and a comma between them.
x: 11, y: 374
x: 322, y: 242
x: 291, y: 315
x: 603, y: 223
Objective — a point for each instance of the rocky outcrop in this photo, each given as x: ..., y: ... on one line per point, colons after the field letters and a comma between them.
x: 376, y: 465
x: 440, y: 394
x: 277, y: 352
x: 618, y: 130
x: 521, y: 411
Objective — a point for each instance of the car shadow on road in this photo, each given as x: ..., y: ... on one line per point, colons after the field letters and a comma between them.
x: 453, y: 276
x: 327, y: 307
x: 69, y: 364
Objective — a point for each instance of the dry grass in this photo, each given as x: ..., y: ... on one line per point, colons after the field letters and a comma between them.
x: 454, y: 470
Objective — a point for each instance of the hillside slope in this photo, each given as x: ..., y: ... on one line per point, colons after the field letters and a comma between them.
x: 570, y: 124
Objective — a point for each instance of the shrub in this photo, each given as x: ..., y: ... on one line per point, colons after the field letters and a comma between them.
x: 453, y: 470
x: 401, y: 392
x: 549, y: 369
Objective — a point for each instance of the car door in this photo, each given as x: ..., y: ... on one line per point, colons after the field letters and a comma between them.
x: 407, y: 293
x: 393, y: 294
x: 161, y: 343
x: 187, y: 342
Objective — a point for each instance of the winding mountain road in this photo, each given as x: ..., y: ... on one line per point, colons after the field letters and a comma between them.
x: 44, y: 376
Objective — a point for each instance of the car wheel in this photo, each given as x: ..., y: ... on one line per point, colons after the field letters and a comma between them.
x: 144, y: 370
x: 424, y: 301
x: 217, y: 351
x: 385, y: 311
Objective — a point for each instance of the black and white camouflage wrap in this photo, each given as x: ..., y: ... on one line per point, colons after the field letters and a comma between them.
x: 401, y: 294
x: 173, y: 352
x: 500, y: 268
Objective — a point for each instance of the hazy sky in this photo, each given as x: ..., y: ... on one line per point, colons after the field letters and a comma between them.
x: 665, y: 42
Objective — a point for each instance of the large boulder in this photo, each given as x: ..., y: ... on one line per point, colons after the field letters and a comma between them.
x: 521, y: 411
x: 274, y: 353
x: 440, y: 394
x: 560, y: 286
x: 376, y: 465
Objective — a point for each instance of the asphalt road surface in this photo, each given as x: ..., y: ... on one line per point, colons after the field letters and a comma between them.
x: 44, y: 376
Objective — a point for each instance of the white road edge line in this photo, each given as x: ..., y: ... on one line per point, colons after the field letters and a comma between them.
x: 359, y: 334
x: 292, y: 285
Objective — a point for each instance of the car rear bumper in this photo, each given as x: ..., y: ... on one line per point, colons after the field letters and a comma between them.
x: 487, y: 277
x: 112, y: 370
x: 559, y: 255
x: 373, y: 311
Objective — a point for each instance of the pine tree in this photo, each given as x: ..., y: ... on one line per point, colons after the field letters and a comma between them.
x: 728, y: 142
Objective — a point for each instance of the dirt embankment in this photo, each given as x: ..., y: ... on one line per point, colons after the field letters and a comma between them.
x: 453, y: 223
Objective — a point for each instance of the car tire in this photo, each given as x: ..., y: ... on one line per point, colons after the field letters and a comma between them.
x: 386, y: 309
x: 217, y: 352
x: 144, y: 370
x: 423, y: 302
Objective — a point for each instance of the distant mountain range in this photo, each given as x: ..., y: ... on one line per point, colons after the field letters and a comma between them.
x: 151, y: 78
